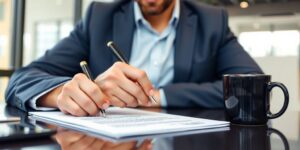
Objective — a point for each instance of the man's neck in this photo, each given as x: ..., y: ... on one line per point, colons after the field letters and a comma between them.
x: 160, y: 22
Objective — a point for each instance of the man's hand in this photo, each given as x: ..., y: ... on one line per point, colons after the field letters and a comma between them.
x: 78, y: 97
x: 126, y: 85
x: 121, y: 85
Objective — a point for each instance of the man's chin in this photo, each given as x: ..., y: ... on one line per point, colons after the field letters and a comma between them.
x: 152, y: 13
x: 153, y: 8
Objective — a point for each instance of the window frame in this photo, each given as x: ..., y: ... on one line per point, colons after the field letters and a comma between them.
x: 18, y: 25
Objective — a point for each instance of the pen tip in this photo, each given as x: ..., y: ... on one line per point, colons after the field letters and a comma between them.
x: 109, y: 43
x: 83, y: 63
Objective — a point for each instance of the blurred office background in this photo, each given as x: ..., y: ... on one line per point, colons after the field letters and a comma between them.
x: 269, y: 30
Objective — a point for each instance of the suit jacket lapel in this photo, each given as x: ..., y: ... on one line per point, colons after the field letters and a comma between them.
x: 184, y: 44
x: 123, y: 29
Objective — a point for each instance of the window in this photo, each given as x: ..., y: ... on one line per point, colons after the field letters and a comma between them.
x: 5, y: 28
x: 286, y: 43
x: 267, y: 43
x: 46, y: 22
x: 49, y: 33
x: 45, y: 27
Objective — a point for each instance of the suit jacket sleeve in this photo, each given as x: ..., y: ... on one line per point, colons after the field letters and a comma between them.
x: 231, y: 59
x: 58, y: 65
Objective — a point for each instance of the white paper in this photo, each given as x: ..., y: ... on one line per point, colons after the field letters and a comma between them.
x: 126, y: 122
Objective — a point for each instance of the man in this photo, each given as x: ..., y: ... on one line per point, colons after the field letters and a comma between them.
x: 177, y: 50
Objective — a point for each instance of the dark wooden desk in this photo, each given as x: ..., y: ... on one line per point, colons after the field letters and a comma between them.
x: 281, y: 133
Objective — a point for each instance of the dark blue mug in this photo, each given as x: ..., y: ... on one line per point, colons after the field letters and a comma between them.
x: 247, y: 98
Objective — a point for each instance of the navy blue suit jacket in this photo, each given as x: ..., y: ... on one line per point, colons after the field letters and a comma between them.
x: 205, y: 49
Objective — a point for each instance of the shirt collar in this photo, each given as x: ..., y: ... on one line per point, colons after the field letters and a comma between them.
x: 138, y: 17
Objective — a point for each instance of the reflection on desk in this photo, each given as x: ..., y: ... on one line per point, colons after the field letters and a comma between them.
x: 273, y: 136
x: 72, y: 140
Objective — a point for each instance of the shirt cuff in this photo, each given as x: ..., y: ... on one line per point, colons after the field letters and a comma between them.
x: 163, y: 99
x: 32, y: 102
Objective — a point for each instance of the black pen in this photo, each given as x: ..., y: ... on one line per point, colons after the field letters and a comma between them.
x: 85, y: 68
x: 118, y: 53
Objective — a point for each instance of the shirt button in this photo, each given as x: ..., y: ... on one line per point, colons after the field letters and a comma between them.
x: 155, y: 63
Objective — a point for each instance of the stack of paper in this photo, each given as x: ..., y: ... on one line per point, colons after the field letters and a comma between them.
x: 126, y: 122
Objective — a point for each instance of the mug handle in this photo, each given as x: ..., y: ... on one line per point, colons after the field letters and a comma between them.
x: 271, y: 85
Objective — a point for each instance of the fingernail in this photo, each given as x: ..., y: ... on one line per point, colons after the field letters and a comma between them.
x: 105, y: 105
x: 151, y: 92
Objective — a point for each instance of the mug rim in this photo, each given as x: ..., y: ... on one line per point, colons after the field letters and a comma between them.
x: 246, y: 75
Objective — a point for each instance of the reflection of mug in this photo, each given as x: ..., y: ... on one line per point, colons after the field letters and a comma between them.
x: 247, y: 98
x: 253, y: 137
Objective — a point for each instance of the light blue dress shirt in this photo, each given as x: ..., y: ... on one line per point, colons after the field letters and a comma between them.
x: 152, y: 51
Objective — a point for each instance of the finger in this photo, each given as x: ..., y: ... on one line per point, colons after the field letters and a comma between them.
x: 137, y: 75
x: 135, y: 90
x: 93, y: 91
x: 64, y: 111
x: 125, y: 97
x: 68, y: 105
x: 115, y: 101
x: 111, y: 87
x: 84, y: 101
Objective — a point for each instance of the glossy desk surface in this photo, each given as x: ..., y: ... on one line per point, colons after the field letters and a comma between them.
x: 281, y: 133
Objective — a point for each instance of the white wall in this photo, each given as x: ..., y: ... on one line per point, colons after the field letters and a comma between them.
x: 286, y: 71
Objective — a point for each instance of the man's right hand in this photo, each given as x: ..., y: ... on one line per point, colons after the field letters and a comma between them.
x: 126, y: 86
x: 79, y: 97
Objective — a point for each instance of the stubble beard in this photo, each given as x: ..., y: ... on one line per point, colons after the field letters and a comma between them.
x: 166, y: 4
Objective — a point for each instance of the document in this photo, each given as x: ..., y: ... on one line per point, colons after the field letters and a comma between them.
x: 4, y: 119
x: 128, y: 122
